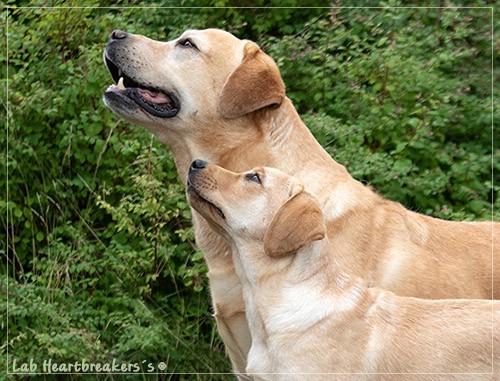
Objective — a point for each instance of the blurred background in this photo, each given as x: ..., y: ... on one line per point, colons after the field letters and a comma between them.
x: 98, y: 254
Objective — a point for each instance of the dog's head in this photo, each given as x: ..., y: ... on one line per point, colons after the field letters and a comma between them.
x: 264, y: 205
x: 207, y: 74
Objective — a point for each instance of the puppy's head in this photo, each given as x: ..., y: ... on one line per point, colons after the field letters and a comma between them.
x: 262, y: 205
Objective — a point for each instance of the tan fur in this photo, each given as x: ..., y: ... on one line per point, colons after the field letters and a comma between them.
x: 267, y: 86
x: 283, y: 237
x: 310, y: 320
x: 375, y: 239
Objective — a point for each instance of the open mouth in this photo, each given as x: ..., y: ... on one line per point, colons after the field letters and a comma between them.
x: 157, y: 103
x: 194, y: 193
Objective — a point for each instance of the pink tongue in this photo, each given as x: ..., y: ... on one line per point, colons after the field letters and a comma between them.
x: 154, y: 97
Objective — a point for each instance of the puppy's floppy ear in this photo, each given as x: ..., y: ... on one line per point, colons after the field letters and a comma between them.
x: 297, y: 223
x: 255, y: 84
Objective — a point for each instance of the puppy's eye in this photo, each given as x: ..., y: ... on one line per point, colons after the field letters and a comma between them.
x: 254, y: 177
x: 187, y: 43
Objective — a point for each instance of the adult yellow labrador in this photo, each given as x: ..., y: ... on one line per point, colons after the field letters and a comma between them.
x: 210, y: 95
x: 308, y: 319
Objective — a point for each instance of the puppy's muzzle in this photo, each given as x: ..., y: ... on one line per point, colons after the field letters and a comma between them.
x: 201, y: 185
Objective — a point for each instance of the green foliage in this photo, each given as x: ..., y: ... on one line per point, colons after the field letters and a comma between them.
x: 414, y: 90
x: 98, y: 247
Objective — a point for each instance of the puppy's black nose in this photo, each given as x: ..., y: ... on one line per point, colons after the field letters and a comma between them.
x: 118, y: 35
x: 197, y: 165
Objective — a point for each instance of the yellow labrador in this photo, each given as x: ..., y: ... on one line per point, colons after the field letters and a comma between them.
x: 210, y: 95
x: 307, y: 317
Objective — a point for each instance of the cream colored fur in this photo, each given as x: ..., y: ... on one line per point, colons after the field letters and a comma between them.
x: 308, y: 319
x: 234, y: 113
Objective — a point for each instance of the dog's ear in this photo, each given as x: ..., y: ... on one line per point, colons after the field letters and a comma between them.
x: 297, y: 223
x: 255, y: 84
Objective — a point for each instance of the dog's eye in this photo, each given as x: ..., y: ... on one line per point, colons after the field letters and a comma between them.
x: 254, y: 177
x: 187, y: 43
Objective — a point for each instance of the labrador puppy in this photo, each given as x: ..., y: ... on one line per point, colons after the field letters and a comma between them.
x: 210, y: 95
x: 307, y: 317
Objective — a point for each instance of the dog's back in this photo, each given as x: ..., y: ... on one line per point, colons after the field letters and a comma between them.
x: 436, y: 336
x: 387, y: 337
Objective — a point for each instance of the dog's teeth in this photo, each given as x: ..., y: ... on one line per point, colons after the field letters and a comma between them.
x: 120, y: 84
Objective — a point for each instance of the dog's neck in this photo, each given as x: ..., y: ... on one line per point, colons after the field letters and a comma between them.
x: 235, y: 144
x: 252, y: 264
x: 266, y: 138
x: 287, y: 287
x: 274, y: 137
x: 249, y: 262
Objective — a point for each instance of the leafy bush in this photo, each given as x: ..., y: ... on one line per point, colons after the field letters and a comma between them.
x: 99, y: 257
x: 414, y: 90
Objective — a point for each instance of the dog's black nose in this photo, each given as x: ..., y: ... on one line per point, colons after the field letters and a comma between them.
x: 197, y: 165
x: 118, y: 35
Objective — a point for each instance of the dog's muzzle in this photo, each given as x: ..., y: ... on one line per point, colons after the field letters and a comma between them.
x: 157, y: 102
